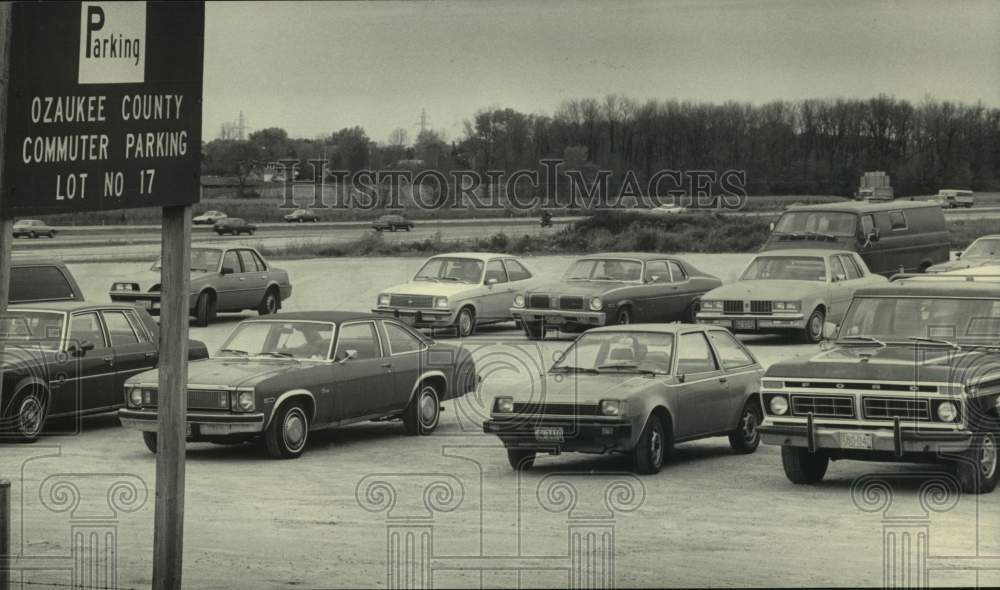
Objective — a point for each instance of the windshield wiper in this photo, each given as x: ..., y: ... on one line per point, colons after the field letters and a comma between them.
x: 283, y: 355
x: 864, y: 339
x: 234, y: 351
x: 633, y: 367
x: 948, y: 343
x: 575, y: 369
x: 456, y: 279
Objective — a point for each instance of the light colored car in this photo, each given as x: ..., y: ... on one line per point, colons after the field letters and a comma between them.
x: 985, y: 251
x: 33, y: 228
x: 222, y: 280
x: 208, y: 218
x: 789, y: 291
x: 460, y: 290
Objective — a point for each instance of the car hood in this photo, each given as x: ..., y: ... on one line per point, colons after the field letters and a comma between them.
x: 590, y: 389
x: 582, y: 288
x: 774, y: 290
x: 963, y: 263
x: 431, y: 288
x: 895, y: 362
x: 228, y: 372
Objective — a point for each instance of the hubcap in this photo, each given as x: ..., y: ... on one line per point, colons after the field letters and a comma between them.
x: 30, y: 416
x: 816, y: 326
x: 465, y: 322
x: 988, y: 456
x: 294, y: 431
x: 656, y: 447
x: 750, y: 427
x: 428, y: 408
x: 272, y: 303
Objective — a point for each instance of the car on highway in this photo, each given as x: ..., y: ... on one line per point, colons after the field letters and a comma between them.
x: 281, y: 378
x: 789, y: 291
x: 461, y: 290
x: 951, y: 198
x: 984, y: 251
x: 208, y: 217
x: 891, y: 236
x: 912, y: 377
x: 234, y: 226
x: 637, y: 390
x: 42, y: 281
x: 301, y: 216
x: 392, y: 223
x: 33, y: 228
x: 222, y: 280
x: 69, y: 359
x: 617, y: 288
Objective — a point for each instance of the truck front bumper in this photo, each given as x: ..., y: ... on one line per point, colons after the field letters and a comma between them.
x: 558, y: 435
x: 420, y: 318
x: 894, y: 439
x: 199, y: 425
x: 558, y: 317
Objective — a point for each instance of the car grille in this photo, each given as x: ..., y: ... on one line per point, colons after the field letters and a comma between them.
x: 760, y: 307
x: 571, y: 303
x: 732, y: 306
x: 538, y: 301
x: 863, y: 386
x: 198, y: 399
x: 411, y: 300
x: 555, y: 409
x: 886, y: 408
x: 827, y: 406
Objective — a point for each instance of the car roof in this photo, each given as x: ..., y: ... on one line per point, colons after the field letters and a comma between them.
x: 959, y: 287
x: 863, y: 206
x: 69, y: 306
x: 320, y: 316
x: 671, y: 328
x: 21, y: 262
x: 477, y: 255
x: 811, y: 252
x: 643, y: 256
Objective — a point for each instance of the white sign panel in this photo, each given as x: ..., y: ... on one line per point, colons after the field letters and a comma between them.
x: 112, y: 42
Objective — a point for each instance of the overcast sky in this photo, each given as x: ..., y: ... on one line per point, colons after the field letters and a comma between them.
x: 315, y: 67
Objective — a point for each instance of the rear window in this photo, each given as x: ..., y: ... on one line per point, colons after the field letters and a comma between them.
x: 39, y: 283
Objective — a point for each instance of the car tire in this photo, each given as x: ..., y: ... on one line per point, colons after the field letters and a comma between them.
x: 28, y: 415
x: 691, y: 313
x: 978, y: 472
x: 52, y: 235
x: 534, y: 330
x: 423, y: 412
x: 624, y: 316
x: 32, y: 235
x: 288, y: 433
x: 301, y: 220
x: 204, y: 310
x: 746, y: 438
x: 409, y: 227
x: 802, y: 467
x: 271, y: 302
x: 149, y: 438
x: 812, y: 333
x: 465, y: 322
x: 521, y: 459
x: 653, y: 447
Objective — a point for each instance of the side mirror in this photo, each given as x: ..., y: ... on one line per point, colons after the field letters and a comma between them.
x: 348, y: 355
x: 227, y: 270
x: 873, y: 235
x: 958, y: 255
x: 78, y: 349
x: 653, y: 279
x: 681, y: 377
x: 840, y: 277
x: 772, y: 226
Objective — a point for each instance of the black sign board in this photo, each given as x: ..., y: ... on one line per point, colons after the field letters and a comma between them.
x: 104, y: 106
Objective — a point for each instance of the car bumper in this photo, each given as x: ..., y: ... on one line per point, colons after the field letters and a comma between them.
x: 590, y: 436
x: 556, y: 317
x: 145, y: 299
x: 200, y: 424
x: 895, y: 439
x: 754, y: 323
x: 421, y: 318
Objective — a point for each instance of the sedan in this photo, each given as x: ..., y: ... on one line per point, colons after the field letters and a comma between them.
x: 208, y: 218
x: 392, y: 223
x: 636, y: 390
x: 282, y: 378
x: 33, y: 228
x: 985, y: 251
x: 234, y: 226
x: 301, y: 215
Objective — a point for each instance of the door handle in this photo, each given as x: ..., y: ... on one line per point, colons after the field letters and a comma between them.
x: 723, y: 379
x: 108, y: 359
x: 243, y: 278
x: 387, y: 365
x: 149, y: 354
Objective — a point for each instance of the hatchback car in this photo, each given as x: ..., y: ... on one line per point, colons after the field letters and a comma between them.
x: 33, y: 228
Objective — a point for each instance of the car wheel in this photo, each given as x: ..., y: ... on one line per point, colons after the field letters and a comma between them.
x: 521, y: 459
x: 803, y: 467
x: 205, y: 310
x: 813, y: 332
x: 624, y: 316
x: 29, y: 413
x: 746, y: 438
x: 32, y: 235
x: 392, y: 228
x: 691, y: 313
x: 301, y: 220
x: 422, y: 415
x: 465, y: 323
x: 150, y: 439
x: 408, y: 228
x: 533, y: 330
x: 288, y: 432
x: 652, y: 448
x: 270, y: 304
x: 52, y: 234
x: 978, y: 472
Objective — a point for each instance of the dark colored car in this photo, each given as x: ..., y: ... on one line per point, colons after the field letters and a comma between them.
x: 72, y: 359
x: 42, y: 281
x: 281, y: 378
x: 33, y: 228
x: 618, y: 288
x: 635, y: 390
x: 912, y: 378
x: 301, y: 216
x: 234, y: 226
x: 392, y: 223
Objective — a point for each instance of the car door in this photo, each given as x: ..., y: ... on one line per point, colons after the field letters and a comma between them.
x: 403, y: 349
x: 841, y: 289
x: 230, y: 283
x: 364, y: 383
x: 651, y: 299
x: 856, y: 279
x: 254, y: 281
x: 86, y: 381
x: 498, y: 294
x: 133, y: 346
x: 703, y: 401
x: 739, y: 366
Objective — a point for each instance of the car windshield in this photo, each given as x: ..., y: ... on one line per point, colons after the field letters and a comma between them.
x: 202, y: 259
x: 786, y: 268
x: 609, y: 352
x: 462, y: 270
x: 942, y: 319
x: 43, y: 328
x: 291, y: 339
x: 984, y: 247
x: 817, y: 223
x: 604, y: 269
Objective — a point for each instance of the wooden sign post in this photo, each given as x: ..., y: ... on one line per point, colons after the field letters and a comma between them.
x: 100, y: 108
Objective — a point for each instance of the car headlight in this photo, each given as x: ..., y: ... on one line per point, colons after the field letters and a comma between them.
x: 711, y: 305
x: 243, y: 402
x: 383, y: 299
x: 441, y: 302
x: 124, y: 287
x: 947, y: 411
x: 504, y: 405
x: 135, y: 396
x: 787, y: 305
x: 519, y: 301
x: 779, y: 405
x: 611, y: 407
x: 596, y: 304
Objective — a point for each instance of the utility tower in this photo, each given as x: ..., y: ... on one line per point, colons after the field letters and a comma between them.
x: 423, y: 120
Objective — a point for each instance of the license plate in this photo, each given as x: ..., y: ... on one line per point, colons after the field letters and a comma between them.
x: 549, y: 433
x: 188, y: 430
x: 554, y: 319
x: 856, y: 440
x: 745, y: 324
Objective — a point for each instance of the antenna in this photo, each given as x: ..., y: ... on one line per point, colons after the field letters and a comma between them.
x: 423, y: 120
